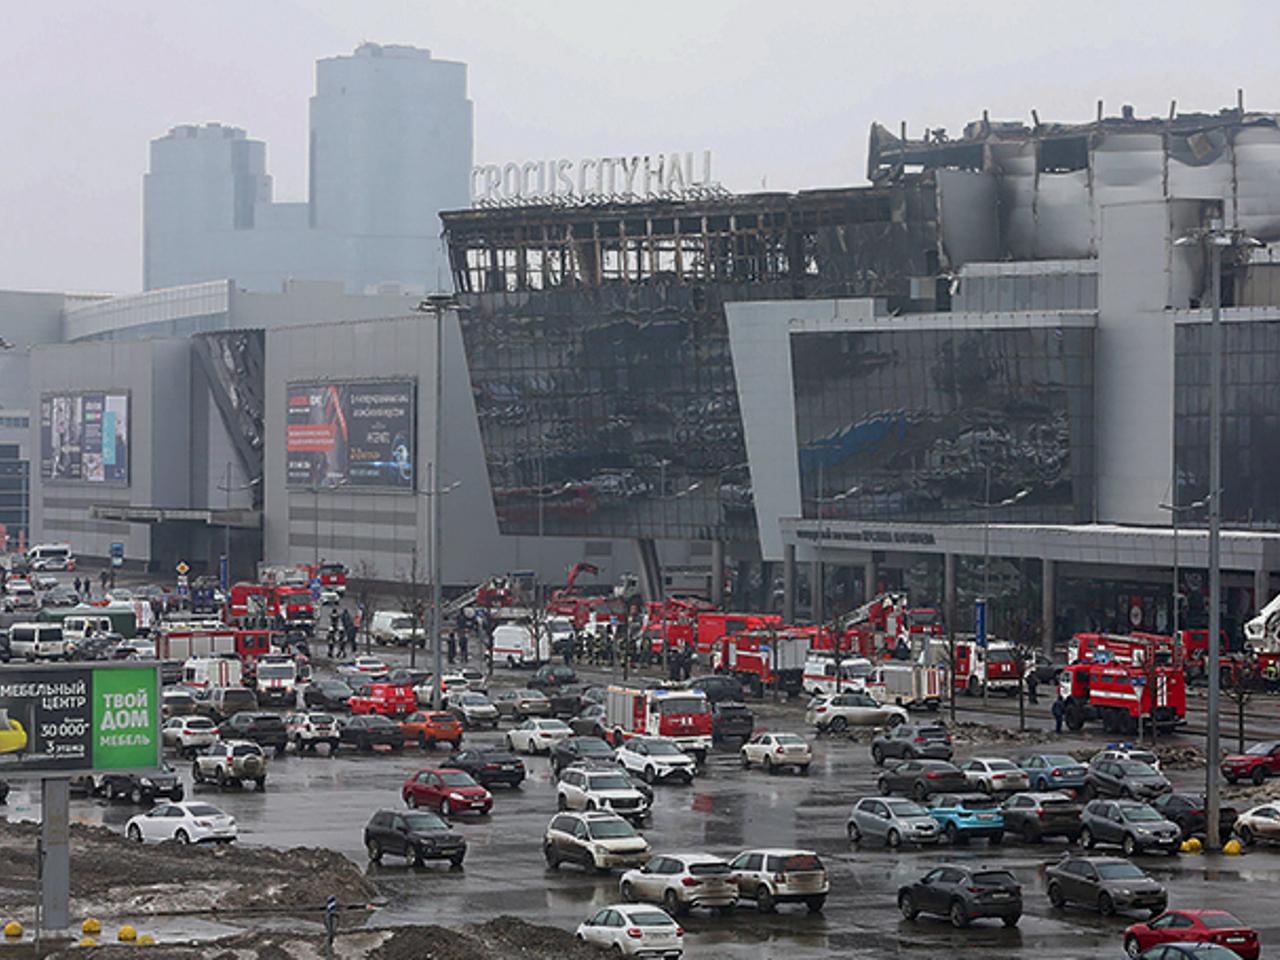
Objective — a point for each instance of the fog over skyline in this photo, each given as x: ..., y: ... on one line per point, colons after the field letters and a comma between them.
x: 782, y: 96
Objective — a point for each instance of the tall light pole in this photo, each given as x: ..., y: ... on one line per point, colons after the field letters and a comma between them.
x: 1176, y: 511
x: 1216, y: 236
x: 227, y: 488
x: 986, y: 569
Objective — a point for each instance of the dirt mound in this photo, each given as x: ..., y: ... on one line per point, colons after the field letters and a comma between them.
x: 970, y: 731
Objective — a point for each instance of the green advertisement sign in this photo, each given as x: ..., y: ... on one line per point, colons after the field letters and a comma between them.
x: 74, y: 719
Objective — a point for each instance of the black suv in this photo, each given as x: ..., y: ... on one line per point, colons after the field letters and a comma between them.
x: 142, y: 787
x: 911, y: 741
x: 575, y: 749
x: 1187, y: 811
x: 549, y: 676
x: 264, y: 729
x: 416, y: 835
x: 717, y: 687
x: 731, y: 719
x: 490, y: 766
x: 963, y: 893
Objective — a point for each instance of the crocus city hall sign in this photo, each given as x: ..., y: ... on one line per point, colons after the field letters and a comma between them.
x: 655, y: 176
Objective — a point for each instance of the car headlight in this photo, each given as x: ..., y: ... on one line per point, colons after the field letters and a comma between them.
x: 456, y: 796
x: 146, y: 782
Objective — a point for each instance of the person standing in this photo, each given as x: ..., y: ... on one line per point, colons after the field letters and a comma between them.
x: 1059, y: 712
x: 1031, y: 686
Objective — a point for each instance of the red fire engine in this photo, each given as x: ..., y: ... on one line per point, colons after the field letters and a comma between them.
x: 674, y: 620
x: 332, y: 576
x: 712, y: 626
x: 1124, y: 681
x: 765, y: 657
x: 262, y: 601
x: 682, y: 715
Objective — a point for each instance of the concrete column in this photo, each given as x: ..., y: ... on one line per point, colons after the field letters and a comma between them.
x: 717, y: 572
x: 949, y: 591
x: 870, y: 577
x: 1048, y: 602
x: 1261, y: 589
x: 55, y: 883
x: 789, y: 583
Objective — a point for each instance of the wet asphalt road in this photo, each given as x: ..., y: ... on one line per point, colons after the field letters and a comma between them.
x: 318, y: 800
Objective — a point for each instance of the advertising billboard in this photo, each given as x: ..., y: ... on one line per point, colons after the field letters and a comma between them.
x: 75, y: 719
x: 85, y: 436
x: 353, y: 434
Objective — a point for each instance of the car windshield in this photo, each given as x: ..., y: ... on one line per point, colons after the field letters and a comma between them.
x: 1139, y: 813
x: 651, y: 918
x: 423, y: 820
x: 709, y: 868
x: 456, y: 779
x: 199, y: 723
x: 932, y: 733
x: 204, y: 810
x: 1132, y: 768
x: 276, y: 671
x: 1000, y: 655
x: 790, y: 739
x: 905, y: 808
x: 475, y: 700
x: 1259, y: 749
x: 801, y: 861
x: 596, y: 747
x: 321, y: 718
x: 1219, y: 921
x: 1061, y: 760
x: 610, y: 781
x: 610, y: 829
x: 442, y: 718
x: 978, y: 803
x: 678, y: 706
x: 247, y: 750
x: 1001, y: 765
x: 660, y: 748
x: 378, y: 720
x: 1120, y: 871
x: 335, y: 686
x: 995, y: 878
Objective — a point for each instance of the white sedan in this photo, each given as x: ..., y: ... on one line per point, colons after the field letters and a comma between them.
x: 773, y: 751
x: 537, y: 735
x: 995, y: 775
x: 193, y: 822
x: 633, y: 929
x: 363, y: 668
x: 835, y: 712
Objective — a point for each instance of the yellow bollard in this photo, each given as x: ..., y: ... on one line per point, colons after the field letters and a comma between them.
x: 1232, y: 849
x: 146, y: 940
x: 13, y: 929
x: 87, y: 942
x: 91, y: 926
x: 127, y: 934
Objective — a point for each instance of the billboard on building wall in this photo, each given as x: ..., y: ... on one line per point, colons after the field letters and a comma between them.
x: 76, y: 719
x: 354, y: 434
x: 85, y: 437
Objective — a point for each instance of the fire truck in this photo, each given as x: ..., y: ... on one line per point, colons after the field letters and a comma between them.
x: 1124, y: 681
x: 766, y: 657
x: 994, y: 666
x: 713, y: 626
x: 884, y: 624
x: 258, y: 603
x: 675, y: 621
x: 332, y: 576
x: 681, y: 715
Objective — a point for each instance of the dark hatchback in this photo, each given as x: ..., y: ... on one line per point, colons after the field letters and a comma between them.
x: 731, y: 720
x: 490, y: 768
x: 718, y: 687
x: 910, y: 741
x: 264, y: 729
x: 962, y: 894
x: 327, y: 694
x: 416, y: 835
x: 371, y: 730
x: 1035, y: 816
x: 576, y: 749
x: 565, y: 701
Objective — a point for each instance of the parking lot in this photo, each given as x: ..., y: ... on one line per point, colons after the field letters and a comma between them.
x: 322, y: 800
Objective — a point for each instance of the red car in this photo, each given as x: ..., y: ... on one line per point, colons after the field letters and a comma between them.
x: 449, y: 791
x: 1259, y: 762
x: 1180, y: 926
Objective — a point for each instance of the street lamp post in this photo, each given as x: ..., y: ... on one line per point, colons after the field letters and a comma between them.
x: 227, y: 488
x: 1176, y: 511
x: 986, y: 572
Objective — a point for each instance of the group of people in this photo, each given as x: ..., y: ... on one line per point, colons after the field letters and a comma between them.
x: 342, y: 633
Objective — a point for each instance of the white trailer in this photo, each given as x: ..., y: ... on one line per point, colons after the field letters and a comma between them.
x: 908, y: 684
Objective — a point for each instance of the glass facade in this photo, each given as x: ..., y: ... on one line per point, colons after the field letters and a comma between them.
x: 610, y: 412
x: 1250, y: 421
x: 934, y: 424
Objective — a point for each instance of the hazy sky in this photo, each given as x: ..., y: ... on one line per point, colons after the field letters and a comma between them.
x: 783, y: 93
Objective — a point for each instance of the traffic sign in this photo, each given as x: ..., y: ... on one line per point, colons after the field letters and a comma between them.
x: 182, y: 567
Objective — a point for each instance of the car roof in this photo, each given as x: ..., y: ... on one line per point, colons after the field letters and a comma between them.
x: 780, y: 852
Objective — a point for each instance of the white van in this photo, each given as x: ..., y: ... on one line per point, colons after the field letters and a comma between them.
x: 79, y: 626
x: 392, y: 626
x: 820, y: 674
x: 36, y: 641
x: 51, y: 556
x: 518, y: 646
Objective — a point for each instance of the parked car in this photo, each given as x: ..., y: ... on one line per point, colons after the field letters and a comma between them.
x: 731, y: 720
x: 307, y: 729
x: 565, y: 700
x: 552, y: 675
x: 891, y: 821
x: 1191, y: 950
x: 188, y: 734
x: 777, y: 751
x: 192, y: 822
x: 1035, y: 816
x: 1126, y: 751
x: 583, y: 788
x: 416, y: 835
x: 265, y: 729
x: 490, y: 767
x: 963, y: 893
x: 836, y: 712
x: 428, y: 729
x: 597, y: 840
x: 140, y: 788
x: 176, y: 702
x: 363, y: 670
x: 1183, y: 926
x: 448, y: 790
x: 224, y: 702
x: 1124, y: 778
x: 473, y: 709
x: 1106, y: 884
x: 574, y: 749
x: 537, y: 735
x: 591, y: 721
x: 770, y: 877
x: 994, y: 775
x: 656, y: 758
x: 920, y: 778
x: 681, y: 881
x: 1258, y: 823
x: 718, y: 687
x: 229, y: 763
x: 369, y: 731
x: 911, y: 741
x: 1260, y: 761
x: 964, y: 816
x: 1135, y: 826
x: 633, y: 930
x: 327, y: 694
x: 521, y: 703
x: 1187, y: 811
x: 1054, y: 771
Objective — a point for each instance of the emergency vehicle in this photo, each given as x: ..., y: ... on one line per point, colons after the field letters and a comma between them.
x: 1123, y: 682
x: 332, y: 576
x: 255, y: 602
x: 820, y: 674
x: 680, y: 715
x: 277, y: 677
x: 908, y: 684
x: 765, y: 658
x: 713, y: 625
x: 207, y: 672
x: 993, y: 666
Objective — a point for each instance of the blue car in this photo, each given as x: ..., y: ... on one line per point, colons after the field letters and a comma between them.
x: 963, y: 816
x: 1054, y: 771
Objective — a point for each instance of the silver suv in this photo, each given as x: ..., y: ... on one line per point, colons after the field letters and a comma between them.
x: 596, y: 840
x: 770, y: 877
x: 231, y: 762
x: 583, y: 789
